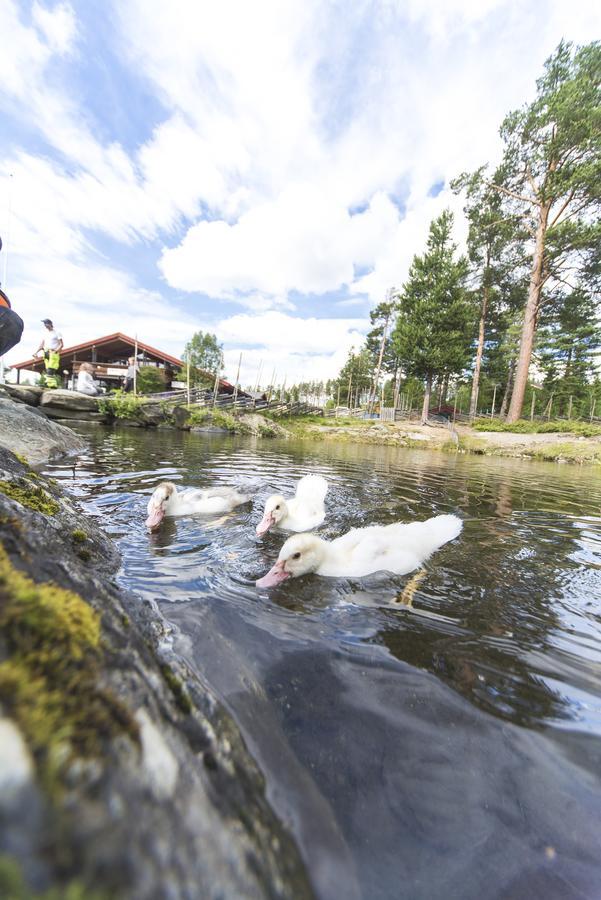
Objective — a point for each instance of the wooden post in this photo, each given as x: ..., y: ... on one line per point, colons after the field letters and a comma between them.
x: 455, y: 407
x: 215, y: 389
x: 570, y: 408
x: 237, y: 378
x: 338, y: 401
x: 549, y: 408
x: 258, y: 376
x: 532, y: 406
x: 593, y: 408
x: 494, y: 397
x: 135, y: 364
x: 188, y: 376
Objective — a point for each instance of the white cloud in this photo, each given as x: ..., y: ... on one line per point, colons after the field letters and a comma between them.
x: 280, y: 117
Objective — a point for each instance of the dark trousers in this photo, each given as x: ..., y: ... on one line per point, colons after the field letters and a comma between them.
x: 129, y: 385
x: 11, y: 329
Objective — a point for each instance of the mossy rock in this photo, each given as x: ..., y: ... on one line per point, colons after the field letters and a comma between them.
x: 50, y: 678
x: 30, y: 495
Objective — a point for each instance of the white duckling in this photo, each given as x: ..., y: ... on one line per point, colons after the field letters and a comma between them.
x: 168, y: 501
x: 302, y: 512
x: 397, y: 548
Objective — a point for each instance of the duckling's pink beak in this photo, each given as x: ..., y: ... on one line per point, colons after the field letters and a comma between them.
x: 156, y: 514
x: 274, y: 576
x: 267, y: 522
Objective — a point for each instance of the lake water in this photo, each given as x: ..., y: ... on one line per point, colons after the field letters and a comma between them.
x: 451, y: 748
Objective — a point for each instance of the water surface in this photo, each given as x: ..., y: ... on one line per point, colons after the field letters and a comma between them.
x: 450, y: 748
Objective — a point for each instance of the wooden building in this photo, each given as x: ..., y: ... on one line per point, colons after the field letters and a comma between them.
x: 109, y: 357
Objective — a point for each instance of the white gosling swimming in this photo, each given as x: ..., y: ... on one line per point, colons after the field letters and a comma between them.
x: 168, y: 501
x: 302, y: 512
x: 397, y: 548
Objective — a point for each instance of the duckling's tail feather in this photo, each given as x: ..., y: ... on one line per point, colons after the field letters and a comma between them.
x: 442, y: 529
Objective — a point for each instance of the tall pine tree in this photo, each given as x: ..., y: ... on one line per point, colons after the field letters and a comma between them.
x: 433, y: 333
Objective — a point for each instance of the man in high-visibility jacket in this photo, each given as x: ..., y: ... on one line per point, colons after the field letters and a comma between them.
x: 11, y: 325
x: 51, y: 345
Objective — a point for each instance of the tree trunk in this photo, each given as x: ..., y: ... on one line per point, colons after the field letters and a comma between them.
x: 426, y: 405
x: 530, y: 317
x: 445, y: 390
x: 508, y: 387
x: 479, y: 352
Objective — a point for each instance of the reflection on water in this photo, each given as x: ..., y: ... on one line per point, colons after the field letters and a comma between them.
x: 437, y: 746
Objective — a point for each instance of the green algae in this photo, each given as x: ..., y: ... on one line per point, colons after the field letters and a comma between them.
x: 14, y: 887
x: 30, y: 495
x: 50, y: 678
x: 177, y: 689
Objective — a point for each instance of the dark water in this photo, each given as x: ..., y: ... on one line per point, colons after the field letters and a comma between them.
x: 449, y: 749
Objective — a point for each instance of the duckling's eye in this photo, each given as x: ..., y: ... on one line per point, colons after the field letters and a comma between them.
x: 296, y: 556
x: 278, y: 506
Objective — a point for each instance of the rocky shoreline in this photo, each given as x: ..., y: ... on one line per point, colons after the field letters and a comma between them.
x: 70, y: 407
x: 121, y: 775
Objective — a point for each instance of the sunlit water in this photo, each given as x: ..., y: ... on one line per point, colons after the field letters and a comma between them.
x: 449, y: 749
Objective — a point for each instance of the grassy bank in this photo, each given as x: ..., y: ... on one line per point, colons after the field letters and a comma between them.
x: 525, y: 440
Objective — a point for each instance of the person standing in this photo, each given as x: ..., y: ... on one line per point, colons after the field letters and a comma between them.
x: 51, y: 346
x: 132, y: 368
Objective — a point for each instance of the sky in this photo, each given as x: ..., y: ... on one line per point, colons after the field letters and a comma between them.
x: 264, y: 171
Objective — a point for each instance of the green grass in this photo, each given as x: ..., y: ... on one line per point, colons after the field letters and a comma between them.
x: 523, y: 426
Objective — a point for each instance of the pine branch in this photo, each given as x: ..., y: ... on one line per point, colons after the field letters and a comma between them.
x: 504, y: 190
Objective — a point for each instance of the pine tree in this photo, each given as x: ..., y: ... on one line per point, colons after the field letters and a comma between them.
x: 552, y: 166
x: 434, y: 329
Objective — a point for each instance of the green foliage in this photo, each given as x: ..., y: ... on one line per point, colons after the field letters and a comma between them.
x: 205, y: 355
x: 356, y: 374
x: 50, y: 680
x: 121, y: 405
x: 150, y: 380
x: 435, y: 325
x: 78, y: 536
x: 32, y: 496
x: 522, y: 426
x: 219, y: 418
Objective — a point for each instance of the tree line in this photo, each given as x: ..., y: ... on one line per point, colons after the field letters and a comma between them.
x: 526, y: 290
x: 523, y: 297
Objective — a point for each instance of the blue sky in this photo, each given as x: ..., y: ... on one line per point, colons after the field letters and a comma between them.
x: 262, y: 170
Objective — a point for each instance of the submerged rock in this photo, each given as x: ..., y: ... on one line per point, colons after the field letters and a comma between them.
x: 125, y: 776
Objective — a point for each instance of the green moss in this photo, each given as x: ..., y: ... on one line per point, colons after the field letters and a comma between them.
x: 30, y: 495
x: 78, y: 536
x: 84, y: 554
x: 177, y: 689
x: 50, y: 681
x: 125, y: 621
x: 14, y: 887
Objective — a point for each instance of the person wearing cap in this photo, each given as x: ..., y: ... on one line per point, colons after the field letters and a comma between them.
x: 51, y: 346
